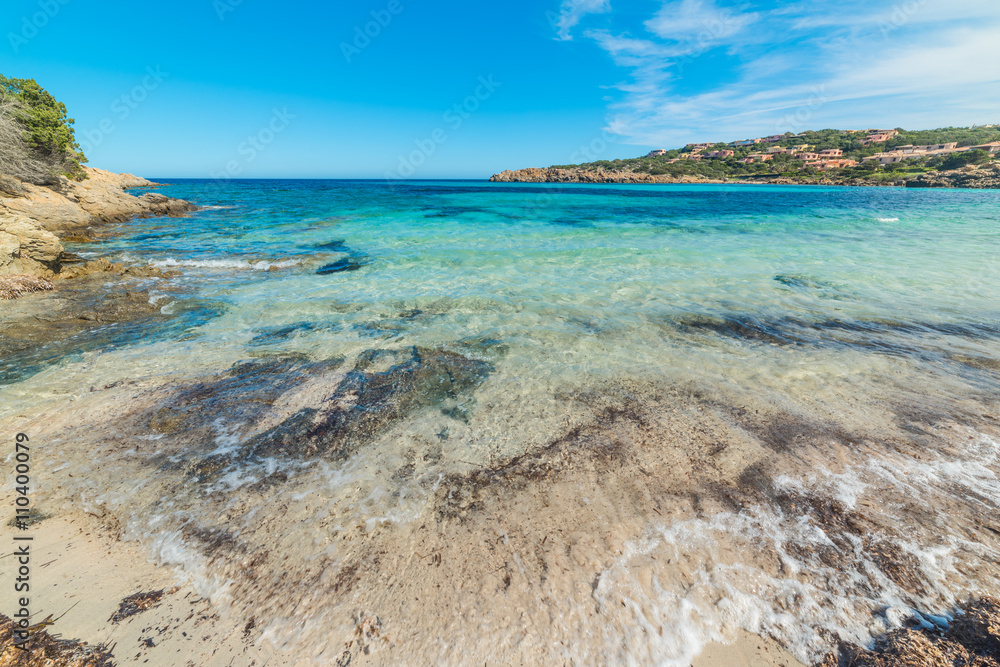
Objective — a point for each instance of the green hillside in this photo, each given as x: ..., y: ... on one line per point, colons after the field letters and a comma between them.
x: 790, y: 167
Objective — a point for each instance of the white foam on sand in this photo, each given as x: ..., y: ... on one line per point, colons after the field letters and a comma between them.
x: 685, y: 585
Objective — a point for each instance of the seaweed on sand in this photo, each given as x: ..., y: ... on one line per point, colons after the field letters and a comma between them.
x: 46, y: 650
x: 971, y: 640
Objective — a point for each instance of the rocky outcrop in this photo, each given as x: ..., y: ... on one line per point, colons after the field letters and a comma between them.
x: 32, y: 218
x: 26, y: 248
x: 72, y: 206
x: 985, y: 178
x: 557, y: 175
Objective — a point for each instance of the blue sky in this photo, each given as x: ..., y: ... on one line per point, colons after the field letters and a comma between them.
x: 202, y: 88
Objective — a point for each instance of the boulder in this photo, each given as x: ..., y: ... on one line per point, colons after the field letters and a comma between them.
x: 26, y: 248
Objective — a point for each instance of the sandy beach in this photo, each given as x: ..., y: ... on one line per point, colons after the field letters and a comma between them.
x: 373, y: 470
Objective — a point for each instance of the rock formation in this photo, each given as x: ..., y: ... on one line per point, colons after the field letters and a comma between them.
x: 32, y: 217
x: 27, y: 249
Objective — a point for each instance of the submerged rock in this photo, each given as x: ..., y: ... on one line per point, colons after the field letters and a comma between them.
x: 364, y: 404
x: 352, y: 263
x: 239, y: 395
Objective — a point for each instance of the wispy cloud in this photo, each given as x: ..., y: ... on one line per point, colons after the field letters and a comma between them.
x: 698, y: 20
x: 801, y: 65
x: 571, y: 11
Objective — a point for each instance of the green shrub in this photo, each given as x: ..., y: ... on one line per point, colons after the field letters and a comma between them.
x: 48, y: 132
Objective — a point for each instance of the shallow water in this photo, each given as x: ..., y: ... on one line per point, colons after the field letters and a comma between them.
x: 598, y: 424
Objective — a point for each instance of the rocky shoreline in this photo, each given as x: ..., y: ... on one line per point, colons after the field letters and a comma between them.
x: 34, y: 220
x: 969, y: 177
x: 55, y: 302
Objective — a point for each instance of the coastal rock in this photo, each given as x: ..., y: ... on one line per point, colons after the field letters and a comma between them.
x: 25, y: 248
x: 983, y: 178
x: 104, y: 266
x: 100, y: 198
x: 986, y: 177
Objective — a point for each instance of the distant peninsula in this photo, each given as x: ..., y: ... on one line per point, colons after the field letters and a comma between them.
x: 952, y: 157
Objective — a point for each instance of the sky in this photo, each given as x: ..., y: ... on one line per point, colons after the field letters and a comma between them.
x: 449, y: 89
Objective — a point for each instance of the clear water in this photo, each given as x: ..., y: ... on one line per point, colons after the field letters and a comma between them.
x: 838, y: 343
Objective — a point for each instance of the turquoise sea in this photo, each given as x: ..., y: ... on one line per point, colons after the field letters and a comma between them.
x: 620, y: 421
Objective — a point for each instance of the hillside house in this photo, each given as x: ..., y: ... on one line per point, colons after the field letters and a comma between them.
x: 719, y: 154
x: 657, y: 153
x: 878, y: 137
x: 831, y: 153
x: 991, y: 148
x: 823, y: 165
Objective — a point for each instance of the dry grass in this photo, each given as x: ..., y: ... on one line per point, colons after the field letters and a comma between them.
x: 12, y: 287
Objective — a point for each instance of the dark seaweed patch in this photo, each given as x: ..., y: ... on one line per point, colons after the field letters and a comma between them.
x: 801, y: 283
x: 740, y: 327
x: 336, y: 246
x: 786, y: 432
x: 364, y: 405
x: 49, y: 650
x: 347, y: 264
x: 271, y: 335
x: 972, y: 639
x: 135, y: 604
x: 453, y: 211
x: 115, y: 320
x: 593, y: 444
x: 239, y: 395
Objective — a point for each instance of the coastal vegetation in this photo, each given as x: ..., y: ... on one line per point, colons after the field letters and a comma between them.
x: 37, y: 142
x: 678, y: 163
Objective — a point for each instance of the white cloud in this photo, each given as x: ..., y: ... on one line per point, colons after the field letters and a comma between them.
x: 697, y: 21
x: 805, y: 66
x: 571, y: 11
